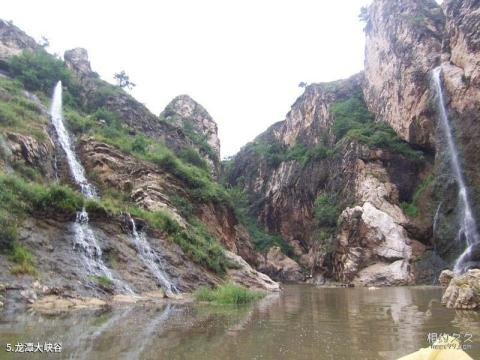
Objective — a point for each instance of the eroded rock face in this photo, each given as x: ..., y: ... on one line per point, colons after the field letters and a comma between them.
x: 77, y: 61
x: 368, y: 184
x: 13, y: 41
x: 373, y: 247
x: 279, y: 266
x: 152, y: 189
x: 282, y: 194
x: 461, y: 86
x: 33, y: 152
x: 463, y: 291
x: 403, y: 43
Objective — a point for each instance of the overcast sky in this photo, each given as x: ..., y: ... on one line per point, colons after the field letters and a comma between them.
x: 242, y: 60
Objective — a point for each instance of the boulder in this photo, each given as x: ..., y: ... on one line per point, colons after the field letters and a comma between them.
x: 463, y: 291
x: 280, y: 267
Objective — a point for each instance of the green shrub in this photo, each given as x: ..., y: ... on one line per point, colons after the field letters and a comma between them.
x: 191, y: 156
x: 261, y: 239
x: 198, y: 139
x: 411, y: 208
x: 38, y: 70
x: 19, y: 196
x: 228, y: 294
x: 101, y: 280
x: 326, y: 211
x: 275, y: 153
x: 8, y: 231
x: 77, y: 123
x: 23, y: 259
x: 353, y: 120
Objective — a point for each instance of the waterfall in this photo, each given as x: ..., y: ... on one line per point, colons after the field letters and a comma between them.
x: 468, y: 227
x: 84, y: 238
x: 151, y: 260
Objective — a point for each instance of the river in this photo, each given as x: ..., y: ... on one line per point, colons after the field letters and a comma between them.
x: 302, y: 322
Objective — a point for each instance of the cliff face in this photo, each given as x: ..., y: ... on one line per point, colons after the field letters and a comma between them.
x: 143, y: 167
x: 403, y: 43
x: 397, y: 213
x: 366, y: 185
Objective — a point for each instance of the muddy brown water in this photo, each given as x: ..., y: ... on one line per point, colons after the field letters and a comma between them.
x: 302, y: 322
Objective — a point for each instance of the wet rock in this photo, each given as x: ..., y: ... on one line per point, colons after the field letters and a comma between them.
x: 280, y: 267
x: 55, y: 304
x: 445, y: 277
x: 29, y: 295
x: 463, y: 291
x: 384, y: 274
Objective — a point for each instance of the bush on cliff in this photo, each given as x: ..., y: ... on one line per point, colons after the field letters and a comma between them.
x: 353, y: 120
x: 261, y: 239
x: 40, y: 71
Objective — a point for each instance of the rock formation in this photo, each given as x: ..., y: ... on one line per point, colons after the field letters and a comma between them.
x: 403, y: 43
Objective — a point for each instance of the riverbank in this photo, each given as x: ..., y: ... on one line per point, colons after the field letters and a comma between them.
x: 301, y: 322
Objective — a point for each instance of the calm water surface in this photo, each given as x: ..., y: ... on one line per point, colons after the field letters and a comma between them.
x: 303, y: 322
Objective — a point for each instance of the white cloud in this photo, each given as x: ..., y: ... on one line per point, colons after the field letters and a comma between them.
x: 242, y: 60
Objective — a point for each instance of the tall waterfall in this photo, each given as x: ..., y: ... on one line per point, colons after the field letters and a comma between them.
x: 468, y: 227
x: 84, y: 238
x: 150, y: 259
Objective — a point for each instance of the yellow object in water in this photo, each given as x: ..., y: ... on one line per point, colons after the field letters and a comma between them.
x: 444, y: 349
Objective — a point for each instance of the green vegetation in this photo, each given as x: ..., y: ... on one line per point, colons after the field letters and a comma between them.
x: 40, y: 71
x: 276, y: 153
x: 353, y: 120
x: 198, y: 139
x: 189, y: 167
x: 228, y: 294
x: 260, y: 238
x: 19, y: 197
x: 411, y: 208
x: 326, y: 213
x: 100, y: 280
x: 193, y: 238
x: 19, y: 113
x: 23, y: 259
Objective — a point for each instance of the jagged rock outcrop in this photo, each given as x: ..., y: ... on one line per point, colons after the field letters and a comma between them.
x: 13, y: 41
x: 282, y: 193
x: 186, y: 113
x: 403, y: 43
x: 169, y: 128
x: 77, y: 61
x: 374, y: 237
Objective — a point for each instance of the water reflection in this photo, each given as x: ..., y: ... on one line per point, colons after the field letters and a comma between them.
x: 303, y: 322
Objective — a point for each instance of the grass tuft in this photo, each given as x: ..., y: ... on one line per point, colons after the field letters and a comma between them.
x: 227, y: 294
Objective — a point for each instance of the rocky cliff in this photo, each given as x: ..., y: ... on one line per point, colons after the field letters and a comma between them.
x: 403, y: 43
x: 148, y: 171
x: 369, y: 198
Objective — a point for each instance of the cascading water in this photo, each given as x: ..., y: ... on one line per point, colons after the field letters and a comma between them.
x: 84, y: 237
x: 468, y: 227
x: 150, y: 259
